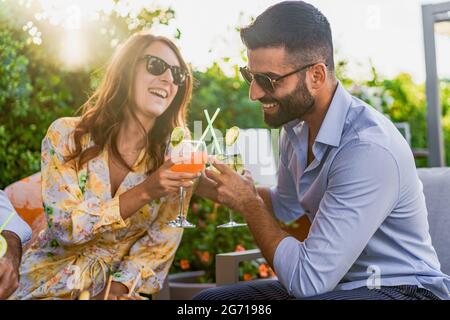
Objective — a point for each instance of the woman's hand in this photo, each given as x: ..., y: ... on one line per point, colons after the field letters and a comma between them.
x: 164, y: 181
x: 159, y: 184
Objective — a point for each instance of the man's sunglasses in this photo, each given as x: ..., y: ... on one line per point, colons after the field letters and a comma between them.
x: 157, y: 66
x: 266, y: 82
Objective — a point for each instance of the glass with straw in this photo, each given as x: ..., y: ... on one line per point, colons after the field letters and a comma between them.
x: 189, y: 156
x: 230, y: 155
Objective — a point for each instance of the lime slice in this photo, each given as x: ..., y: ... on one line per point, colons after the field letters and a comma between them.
x: 85, y: 295
x: 177, y: 136
x: 3, y: 246
x: 231, y: 136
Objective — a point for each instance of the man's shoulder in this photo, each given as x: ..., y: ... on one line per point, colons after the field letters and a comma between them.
x: 376, y: 142
x: 365, y: 125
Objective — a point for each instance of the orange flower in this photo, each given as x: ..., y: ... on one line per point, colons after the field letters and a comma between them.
x: 247, y: 277
x: 204, y: 257
x: 184, y: 264
x: 239, y: 248
x: 271, y: 272
x: 263, y: 270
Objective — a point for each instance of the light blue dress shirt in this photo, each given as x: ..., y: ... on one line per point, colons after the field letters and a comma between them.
x: 16, y: 224
x: 364, y: 199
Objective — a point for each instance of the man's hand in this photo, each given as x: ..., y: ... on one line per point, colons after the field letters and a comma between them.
x: 234, y: 190
x: 239, y: 193
x: 206, y: 188
x: 9, y: 265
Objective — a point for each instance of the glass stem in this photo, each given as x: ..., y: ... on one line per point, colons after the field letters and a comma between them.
x: 230, y: 214
x: 181, y: 213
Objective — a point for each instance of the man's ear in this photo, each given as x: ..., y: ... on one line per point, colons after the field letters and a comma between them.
x: 318, y: 75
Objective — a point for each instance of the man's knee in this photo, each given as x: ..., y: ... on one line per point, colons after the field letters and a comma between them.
x: 207, y: 294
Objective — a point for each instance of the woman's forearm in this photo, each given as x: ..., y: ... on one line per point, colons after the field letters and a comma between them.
x: 134, y: 199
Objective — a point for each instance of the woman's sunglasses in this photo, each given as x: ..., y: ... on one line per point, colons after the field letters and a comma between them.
x: 157, y: 66
x: 266, y: 82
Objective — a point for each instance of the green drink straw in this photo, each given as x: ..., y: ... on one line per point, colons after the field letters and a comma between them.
x: 208, y: 126
x: 216, y: 142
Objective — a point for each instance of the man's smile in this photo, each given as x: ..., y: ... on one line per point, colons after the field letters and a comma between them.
x: 270, y: 107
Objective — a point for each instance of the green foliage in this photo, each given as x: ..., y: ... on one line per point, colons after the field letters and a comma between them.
x: 213, y: 89
x: 409, y: 105
x: 33, y: 93
x: 36, y: 89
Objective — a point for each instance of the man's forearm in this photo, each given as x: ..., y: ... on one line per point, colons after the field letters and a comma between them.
x: 264, y: 228
x: 264, y: 193
x: 14, y: 252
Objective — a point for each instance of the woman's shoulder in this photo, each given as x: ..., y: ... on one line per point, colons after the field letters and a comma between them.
x: 65, y: 124
x: 60, y: 132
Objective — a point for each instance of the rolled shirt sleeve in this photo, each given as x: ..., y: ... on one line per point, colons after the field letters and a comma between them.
x: 363, y: 188
x: 16, y: 224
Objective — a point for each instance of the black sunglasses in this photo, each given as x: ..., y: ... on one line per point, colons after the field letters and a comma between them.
x: 266, y: 82
x: 157, y: 66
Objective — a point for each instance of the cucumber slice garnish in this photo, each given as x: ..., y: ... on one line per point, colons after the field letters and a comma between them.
x: 177, y: 136
x: 231, y: 136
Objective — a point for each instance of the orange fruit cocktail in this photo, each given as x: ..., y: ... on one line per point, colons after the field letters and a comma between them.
x: 195, y: 163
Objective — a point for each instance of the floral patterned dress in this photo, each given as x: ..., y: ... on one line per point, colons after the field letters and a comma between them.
x: 87, y: 239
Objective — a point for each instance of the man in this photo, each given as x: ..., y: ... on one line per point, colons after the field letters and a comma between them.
x: 342, y: 164
x: 16, y: 233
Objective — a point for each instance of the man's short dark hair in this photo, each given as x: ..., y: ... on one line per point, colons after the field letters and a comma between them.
x: 295, y: 25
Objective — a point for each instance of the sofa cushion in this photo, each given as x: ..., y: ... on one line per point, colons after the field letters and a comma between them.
x: 25, y: 195
x: 436, y: 187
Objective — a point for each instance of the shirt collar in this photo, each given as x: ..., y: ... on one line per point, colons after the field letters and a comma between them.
x: 330, y: 131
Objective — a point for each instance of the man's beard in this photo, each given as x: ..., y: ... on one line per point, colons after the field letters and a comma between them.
x: 291, y: 107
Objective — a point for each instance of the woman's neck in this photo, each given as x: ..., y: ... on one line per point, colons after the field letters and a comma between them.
x: 131, y: 136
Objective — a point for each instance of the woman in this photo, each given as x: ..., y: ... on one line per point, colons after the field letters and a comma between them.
x: 107, y: 191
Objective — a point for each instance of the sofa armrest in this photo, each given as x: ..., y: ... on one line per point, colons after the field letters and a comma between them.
x: 227, y: 265
x: 164, y: 293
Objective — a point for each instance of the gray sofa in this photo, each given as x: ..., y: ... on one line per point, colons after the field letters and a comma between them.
x: 436, y: 187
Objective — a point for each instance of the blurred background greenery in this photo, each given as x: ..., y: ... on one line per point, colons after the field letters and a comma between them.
x: 37, y: 87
